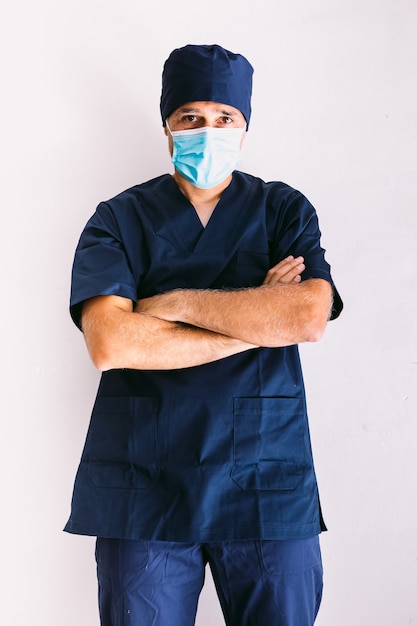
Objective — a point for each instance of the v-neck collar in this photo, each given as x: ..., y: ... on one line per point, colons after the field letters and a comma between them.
x: 226, y: 221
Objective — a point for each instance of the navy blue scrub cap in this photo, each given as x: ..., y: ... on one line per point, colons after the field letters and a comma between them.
x: 206, y: 73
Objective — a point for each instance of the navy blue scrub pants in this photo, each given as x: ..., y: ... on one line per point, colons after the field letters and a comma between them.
x: 259, y: 583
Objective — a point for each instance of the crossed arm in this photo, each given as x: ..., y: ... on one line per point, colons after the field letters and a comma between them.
x: 188, y: 327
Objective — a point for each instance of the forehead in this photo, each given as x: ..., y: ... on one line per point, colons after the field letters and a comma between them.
x: 207, y: 108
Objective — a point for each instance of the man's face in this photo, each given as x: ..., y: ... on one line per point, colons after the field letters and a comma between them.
x: 199, y: 114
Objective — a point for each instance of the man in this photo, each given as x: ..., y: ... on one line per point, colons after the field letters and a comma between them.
x: 193, y: 291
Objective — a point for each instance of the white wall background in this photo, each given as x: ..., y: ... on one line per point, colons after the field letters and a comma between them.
x: 335, y: 115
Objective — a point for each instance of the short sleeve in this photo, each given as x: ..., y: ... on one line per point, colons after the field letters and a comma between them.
x: 298, y: 234
x: 101, y: 265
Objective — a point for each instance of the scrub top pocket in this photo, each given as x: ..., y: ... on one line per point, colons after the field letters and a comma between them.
x: 251, y: 269
x: 269, y: 452
x: 120, y: 450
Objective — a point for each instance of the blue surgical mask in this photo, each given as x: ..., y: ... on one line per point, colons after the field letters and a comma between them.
x: 206, y: 156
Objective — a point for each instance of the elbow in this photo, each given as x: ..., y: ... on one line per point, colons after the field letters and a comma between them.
x: 315, y: 326
x: 101, y: 361
x: 309, y: 332
x: 314, y: 333
x: 102, y: 357
x: 317, y: 318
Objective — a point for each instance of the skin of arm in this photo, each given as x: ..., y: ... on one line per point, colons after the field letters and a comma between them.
x: 119, y: 337
x: 281, y: 312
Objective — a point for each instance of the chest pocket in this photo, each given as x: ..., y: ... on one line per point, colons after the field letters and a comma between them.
x: 251, y: 268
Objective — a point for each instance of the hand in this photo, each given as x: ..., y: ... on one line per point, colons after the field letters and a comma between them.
x: 287, y: 271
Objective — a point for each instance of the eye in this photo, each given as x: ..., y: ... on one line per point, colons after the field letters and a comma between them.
x: 189, y: 120
x: 227, y: 120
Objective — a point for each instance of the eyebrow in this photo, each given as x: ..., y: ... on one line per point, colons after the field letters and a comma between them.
x: 183, y: 110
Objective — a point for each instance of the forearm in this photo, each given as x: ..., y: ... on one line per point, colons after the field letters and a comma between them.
x: 131, y: 340
x: 273, y: 315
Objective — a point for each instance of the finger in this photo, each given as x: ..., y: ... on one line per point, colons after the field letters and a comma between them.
x: 285, y: 271
x: 286, y: 265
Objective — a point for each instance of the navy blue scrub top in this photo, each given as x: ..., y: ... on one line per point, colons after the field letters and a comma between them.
x: 209, y: 453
